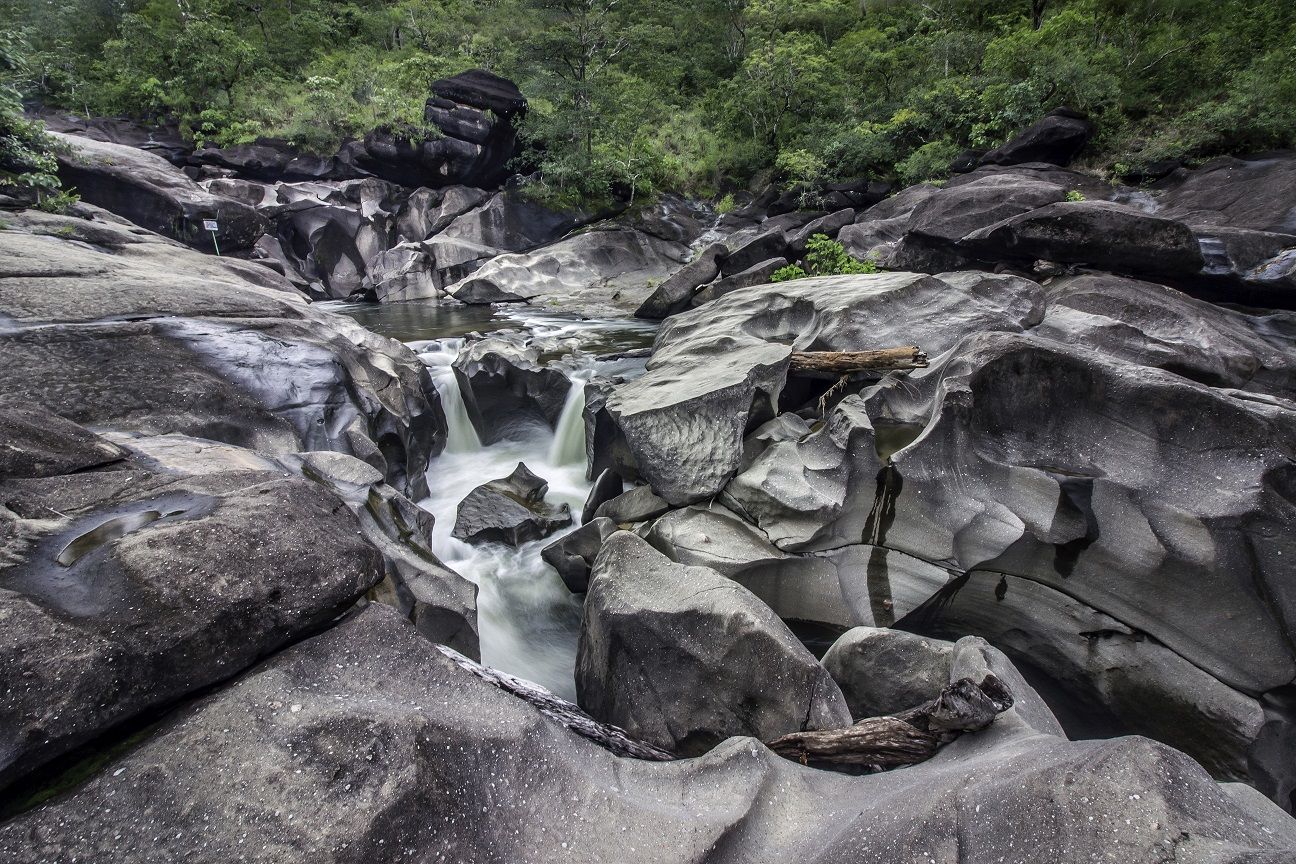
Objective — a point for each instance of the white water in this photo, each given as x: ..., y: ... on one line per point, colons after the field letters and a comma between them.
x: 529, y: 622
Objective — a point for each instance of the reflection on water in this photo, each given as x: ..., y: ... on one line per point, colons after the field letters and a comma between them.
x: 416, y: 320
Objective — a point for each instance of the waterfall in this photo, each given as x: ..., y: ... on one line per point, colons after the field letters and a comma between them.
x: 568, y: 447
x: 437, y: 355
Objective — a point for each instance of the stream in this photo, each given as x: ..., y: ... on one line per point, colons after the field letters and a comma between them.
x: 529, y: 622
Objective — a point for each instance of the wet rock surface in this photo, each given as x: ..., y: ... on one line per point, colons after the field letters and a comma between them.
x: 683, y: 658
x: 510, y: 510
x: 309, y: 719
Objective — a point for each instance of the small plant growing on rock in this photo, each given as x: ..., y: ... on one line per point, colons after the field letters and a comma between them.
x: 1075, y: 195
x: 726, y: 204
x: 824, y: 257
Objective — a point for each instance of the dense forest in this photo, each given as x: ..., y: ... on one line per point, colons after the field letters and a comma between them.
x: 699, y: 96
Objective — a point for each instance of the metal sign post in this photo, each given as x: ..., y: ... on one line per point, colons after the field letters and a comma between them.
x: 210, y: 225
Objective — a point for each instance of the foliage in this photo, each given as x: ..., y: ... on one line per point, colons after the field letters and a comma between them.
x: 27, y: 161
x: 1074, y: 195
x: 636, y: 97
x: 824, y: 257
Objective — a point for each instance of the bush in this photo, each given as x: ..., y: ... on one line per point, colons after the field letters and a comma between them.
x: 824, y: 257
x: 929, y: 162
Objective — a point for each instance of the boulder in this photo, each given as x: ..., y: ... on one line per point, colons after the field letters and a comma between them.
x: 154, y: 194
x: 711, y: 536
x: 37, y: 443
x: 505, y: 390
x: 607, y: 485
x: 757, y: 274
x: 718, y: 372
x: 1253, y: 193
x: 887, y: 671
x: 1099, y: 234
x: 573, y: 554
x: 127, y: 589
x: 308, y: 719
x: 772, y: 244
x: 598, y: 272
x: 675, y: 292
x: 510, y: 510
x: 637, y: 504
x: 1057, y: 138
x: 145, y: 337
x: 682, y: 658
x: 828, y: 225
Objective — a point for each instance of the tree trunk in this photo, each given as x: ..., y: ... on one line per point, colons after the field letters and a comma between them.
x: 845, y: 362
x: 876, y: 743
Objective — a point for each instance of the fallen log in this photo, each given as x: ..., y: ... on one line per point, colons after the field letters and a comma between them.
x: 846, y: 362
x: 907, y: 738
x: 873, y: 744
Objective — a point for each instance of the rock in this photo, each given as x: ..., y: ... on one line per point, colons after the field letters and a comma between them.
x: 403, y: 273
x: 858, y: 193
x: 129, y: 588
x: 598, y: 272
x: 511, y: 510
x: 680, y: 426
x: 162, y: 140
x: 800, y: 492
x: 510, y: 222
x: 956, y: 211
x: 1254, y: 193
x: 711, y: 536
x: 639, y: 504
x: 37, y: 443
x: 673, y: 294
x: 884, y: 672
x: 757, y: 274
x: 683, y: 658
x: 1099, y: 234
x: 773, y: 244
x: 877, y: 229
x: 152, y: 193
x: 1057, y: 138
x: 154, y: 339
x: 441, y: 604
x: 574, y: 554
x: 607, y: 485
x: 828, y: 225
x: 428, y: 211
x: 505, y: 390
x: 373, y: 686
x: 1153, y: 325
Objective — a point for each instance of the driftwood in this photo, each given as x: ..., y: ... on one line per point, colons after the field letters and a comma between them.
x: 907, y: 738
x: 876, y: 744
x: 837, y: 363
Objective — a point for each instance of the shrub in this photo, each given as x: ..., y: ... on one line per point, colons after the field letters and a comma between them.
x: 824, y: 257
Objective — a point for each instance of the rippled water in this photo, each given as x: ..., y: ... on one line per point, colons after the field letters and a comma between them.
x: 529, y: 621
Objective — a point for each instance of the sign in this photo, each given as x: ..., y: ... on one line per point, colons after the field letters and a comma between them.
x: 209, y: 225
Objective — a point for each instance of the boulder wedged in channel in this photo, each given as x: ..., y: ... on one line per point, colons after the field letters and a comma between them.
x: 682, y: 657
x: 296, y: 783
x: 506, y: 390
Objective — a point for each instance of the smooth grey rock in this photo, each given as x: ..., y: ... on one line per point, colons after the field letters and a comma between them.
x: 711, y: 536
x: 373, y: 686
x: 126, y: 589
x: 673, y: 294
x: 1099, y: 234
x: 1255, y: 193
x: 772, y: 244
x: 887, y: 671
x: 757, y: 274
x: 718, y: 372
x: 37, y: 443
x: 505, y: 390
x: 510, y: 510
x: 573, y: 554
x: 829, y: 226
x: 154, y: 194
x: 607, y: 485
x: 441, y: 603
x: 596, y: 272
x: 154, y: 338
x: 683, y: 658
x: 637, y: 504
